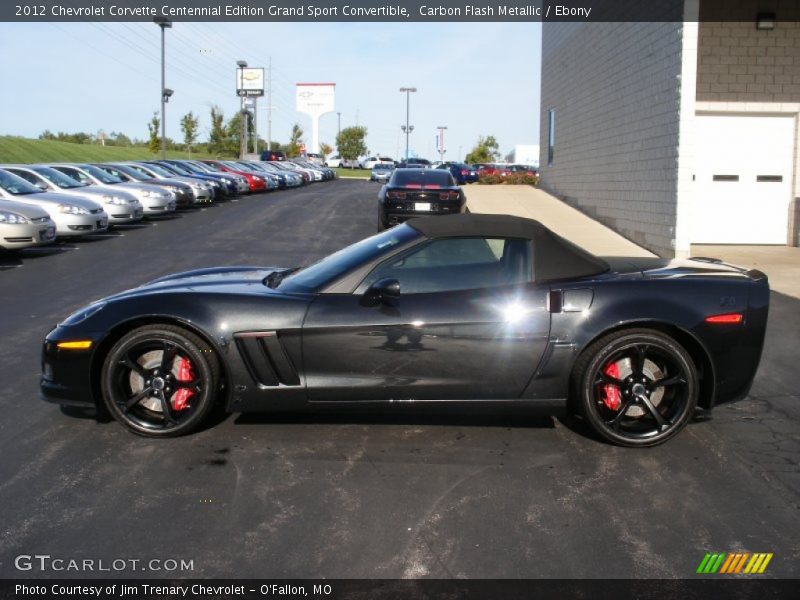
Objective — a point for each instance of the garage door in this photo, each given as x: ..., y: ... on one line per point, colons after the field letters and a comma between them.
x: 743, y: 177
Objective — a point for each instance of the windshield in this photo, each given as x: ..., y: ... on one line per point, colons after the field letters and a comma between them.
x: 65, y: 182
x: 179, y: 169
x: 318, y: 275
x: 383, y: 166
x: 100, y: 175
x: 132, y: 172
x: 193, y: 168
x: 157, y: 170
x: 16, y: 185
x: 213, y: 167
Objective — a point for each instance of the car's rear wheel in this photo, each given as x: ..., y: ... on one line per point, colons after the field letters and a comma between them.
x: 637, y: 387
x: 160, y: 380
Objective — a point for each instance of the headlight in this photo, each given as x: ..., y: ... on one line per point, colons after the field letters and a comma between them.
x: 11, y: 218
x: 257, y: 178
x: 83, y: 314
x: 72, y: 209
x: 114, y: 200
x: 149, y: 194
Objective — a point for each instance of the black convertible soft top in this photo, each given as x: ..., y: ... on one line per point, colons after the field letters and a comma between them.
x: 553, y: 256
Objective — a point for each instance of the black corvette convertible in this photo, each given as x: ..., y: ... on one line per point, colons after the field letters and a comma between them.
x: 468, y: 309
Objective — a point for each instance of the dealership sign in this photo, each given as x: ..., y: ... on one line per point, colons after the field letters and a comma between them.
x: 250, y: 82
x: 315, y: 100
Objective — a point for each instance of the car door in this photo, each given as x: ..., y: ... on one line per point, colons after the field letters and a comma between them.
x: 469, y: 323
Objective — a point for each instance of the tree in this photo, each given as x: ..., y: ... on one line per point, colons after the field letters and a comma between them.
x: 189, y: 126
x: 293, y: 147
x: 154, y: 145
x: 217, y: 138
x: 325, y: 149
x: 233, y: 132
x: 350, y: 142
x: 486, y: 150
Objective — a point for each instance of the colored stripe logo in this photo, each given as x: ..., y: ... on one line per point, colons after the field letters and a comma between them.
x: 732, y: 563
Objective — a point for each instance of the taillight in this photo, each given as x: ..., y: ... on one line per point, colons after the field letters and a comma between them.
x: 448, y: 196
x: 393, y: 195
x: 464, y: 172
x: 726, y: 319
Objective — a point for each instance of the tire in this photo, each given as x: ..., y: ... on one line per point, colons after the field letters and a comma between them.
x: 636, y: 388
x: 382, y: 225
x: 142, y: 388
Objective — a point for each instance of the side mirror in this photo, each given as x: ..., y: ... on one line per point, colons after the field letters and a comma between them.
x: 383, y: 290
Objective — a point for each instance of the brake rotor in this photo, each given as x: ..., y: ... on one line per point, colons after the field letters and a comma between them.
x: 621, y: 369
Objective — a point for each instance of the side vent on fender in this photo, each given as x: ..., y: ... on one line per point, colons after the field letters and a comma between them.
x: 265, y: 358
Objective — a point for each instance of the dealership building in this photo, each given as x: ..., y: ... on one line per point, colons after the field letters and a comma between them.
x: 678, y: 133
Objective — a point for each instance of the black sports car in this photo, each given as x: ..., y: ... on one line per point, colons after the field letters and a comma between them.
x: 418, y: 192
x: 468, y: 309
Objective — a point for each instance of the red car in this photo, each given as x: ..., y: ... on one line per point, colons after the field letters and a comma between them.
x: 256, y: 183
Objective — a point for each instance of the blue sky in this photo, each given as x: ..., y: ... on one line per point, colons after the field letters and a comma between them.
x: 475, y: 78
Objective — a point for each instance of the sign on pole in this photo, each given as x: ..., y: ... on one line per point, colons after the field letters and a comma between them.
x: 250, y: 82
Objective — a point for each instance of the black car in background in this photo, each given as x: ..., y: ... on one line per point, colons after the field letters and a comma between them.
x: 468, y: 309
x: 418, y: 192
x: 461, y: 172
x: 271, y: 155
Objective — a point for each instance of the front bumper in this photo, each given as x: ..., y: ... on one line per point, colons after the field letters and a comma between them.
x: 122, y: 214
x: 14, y: 237
x: 66, y: 374
x: 76, y: 225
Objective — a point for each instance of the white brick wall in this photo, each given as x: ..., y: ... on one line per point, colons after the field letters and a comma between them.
x: 615, y: 88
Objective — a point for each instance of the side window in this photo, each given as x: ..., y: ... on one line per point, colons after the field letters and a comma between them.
x: 551, y: 137
x: 75, y: 174
x: 457, y: 264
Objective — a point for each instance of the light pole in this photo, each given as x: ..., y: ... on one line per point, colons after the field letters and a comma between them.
x: 441, y: 129
x: 339, y: 126
x: 242, y: 64
x: 408, y: 128
x: 164, y: 24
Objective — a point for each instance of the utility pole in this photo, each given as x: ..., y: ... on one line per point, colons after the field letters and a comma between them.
x: 242, y: 113
x: 408, y: 128
x: 164, y: 24
x: 255, y: 125
x: 440, y: 141
x: 269, y: 104
x: 339, y: 126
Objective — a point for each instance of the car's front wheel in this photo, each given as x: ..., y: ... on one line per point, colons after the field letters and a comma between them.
x: 637, y: 387
x: 160, y: 380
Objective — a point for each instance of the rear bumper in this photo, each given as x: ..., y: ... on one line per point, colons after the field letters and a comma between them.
x: 397, y: 212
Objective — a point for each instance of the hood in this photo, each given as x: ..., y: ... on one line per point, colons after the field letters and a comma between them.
x: 144, y: 187
x: 26, y: 210
x: 55, y: 198
x: 93, y: 190
x: 245, y: 279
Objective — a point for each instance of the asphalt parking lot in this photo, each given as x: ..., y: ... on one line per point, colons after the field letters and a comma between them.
x: 362, y: 495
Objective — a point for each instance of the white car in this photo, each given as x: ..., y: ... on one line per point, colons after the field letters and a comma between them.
x: 23, y: 226
x: 369, y: 162
x: 48, y: 179
x: 72, y: 215
x: 334, y: 162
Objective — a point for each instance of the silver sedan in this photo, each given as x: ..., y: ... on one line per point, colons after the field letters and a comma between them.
x: 23, y: 226
x: 47, y: 179
x: 154, y: 200
x: 73, y: 215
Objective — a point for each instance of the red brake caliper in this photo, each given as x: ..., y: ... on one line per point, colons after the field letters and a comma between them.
x: 611, y: 393
x: 180, y: 399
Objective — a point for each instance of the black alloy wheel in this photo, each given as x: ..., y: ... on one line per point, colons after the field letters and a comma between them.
x: 160, y: 380
x: 637, y: 387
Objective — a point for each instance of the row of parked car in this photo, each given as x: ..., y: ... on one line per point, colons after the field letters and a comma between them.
x: 42, y: 202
